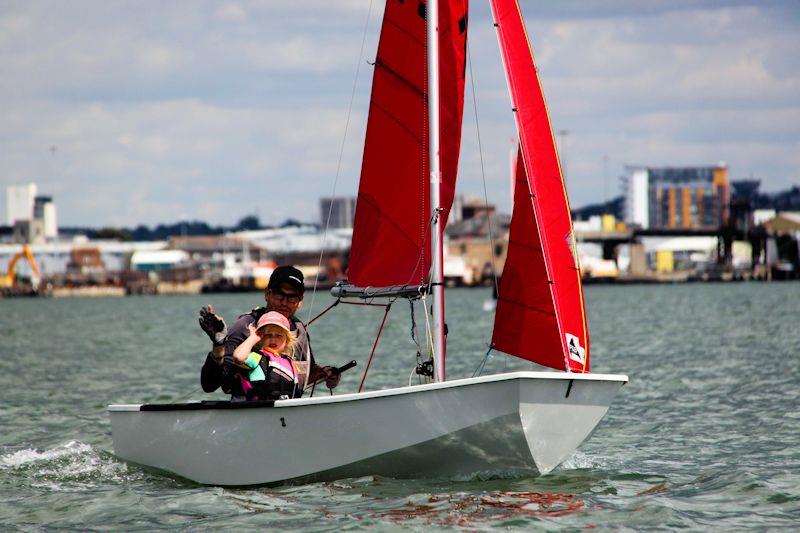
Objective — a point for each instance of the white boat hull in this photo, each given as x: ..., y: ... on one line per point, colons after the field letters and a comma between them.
x: 523, y: 422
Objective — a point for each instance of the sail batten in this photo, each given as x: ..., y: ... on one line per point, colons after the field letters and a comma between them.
x: 540, y: 312
x: 391, y: 242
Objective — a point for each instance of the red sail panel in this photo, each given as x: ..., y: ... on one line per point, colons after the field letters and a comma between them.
x: 525, y: 319
x: 390, y: 243
x: 540, y: 309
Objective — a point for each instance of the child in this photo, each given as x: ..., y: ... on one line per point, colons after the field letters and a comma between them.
x: 267, y: 353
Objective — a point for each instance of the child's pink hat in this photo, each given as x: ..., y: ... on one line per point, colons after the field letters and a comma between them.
x: 274, y: 317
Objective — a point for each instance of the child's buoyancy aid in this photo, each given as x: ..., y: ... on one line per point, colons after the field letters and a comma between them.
x: 272, y: 377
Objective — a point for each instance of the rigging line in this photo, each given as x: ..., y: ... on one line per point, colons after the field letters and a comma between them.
x: 483, y: 170
x: 364, y: 303
x: 428, y: 329
x: 375, y: 345
x: 334, y: 304
x: 411, y: 376
x: 422, y: 249
x: 179, y: 398
x: 414, y: 335
x: 339, y: 162
x: 415, y: 338
x: 482, y: 365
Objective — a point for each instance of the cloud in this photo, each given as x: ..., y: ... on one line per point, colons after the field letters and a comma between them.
x: 214, y: 109
x: 688, y: 83
x: 300, y: 53
x: 185, y: 152
x: 159, y: 58
x: 232, y: 12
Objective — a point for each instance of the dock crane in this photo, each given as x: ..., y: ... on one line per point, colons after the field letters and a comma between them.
x: 9, y: 279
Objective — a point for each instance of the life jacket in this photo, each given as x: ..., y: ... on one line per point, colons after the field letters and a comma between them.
x: 281, y: 379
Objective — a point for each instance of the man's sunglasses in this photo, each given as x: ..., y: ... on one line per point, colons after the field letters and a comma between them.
x: 290, y: 297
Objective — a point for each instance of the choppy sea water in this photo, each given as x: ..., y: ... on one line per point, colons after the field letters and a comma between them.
x: 705, y: 436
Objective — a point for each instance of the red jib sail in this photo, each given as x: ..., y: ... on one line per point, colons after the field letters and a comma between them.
x: 540, y: 312
x: 390, y: 244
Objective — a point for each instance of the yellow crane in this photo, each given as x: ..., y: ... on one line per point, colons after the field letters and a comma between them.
x: 9, y: 279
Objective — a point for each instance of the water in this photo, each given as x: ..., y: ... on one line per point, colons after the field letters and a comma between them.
x: 705, y: 436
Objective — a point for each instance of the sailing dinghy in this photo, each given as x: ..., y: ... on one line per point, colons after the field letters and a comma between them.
x: 519, y: 423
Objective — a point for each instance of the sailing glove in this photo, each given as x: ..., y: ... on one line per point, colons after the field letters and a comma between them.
x: 213, y: 325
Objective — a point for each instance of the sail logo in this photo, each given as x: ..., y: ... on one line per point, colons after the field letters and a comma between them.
x: 576, y: 351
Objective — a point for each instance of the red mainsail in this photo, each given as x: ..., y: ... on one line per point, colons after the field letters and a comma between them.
x: 540, y: 311
x: 390, y: 243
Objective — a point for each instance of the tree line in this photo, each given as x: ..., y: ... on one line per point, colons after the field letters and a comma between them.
x: 163, y: 232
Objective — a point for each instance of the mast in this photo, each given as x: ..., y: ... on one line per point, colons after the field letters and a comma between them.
x: 437, y: 286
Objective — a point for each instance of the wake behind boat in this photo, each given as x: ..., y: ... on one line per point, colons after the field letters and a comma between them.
x: 524, y: 422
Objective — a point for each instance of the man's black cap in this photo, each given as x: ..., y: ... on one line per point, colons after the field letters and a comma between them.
x: 287, y: 274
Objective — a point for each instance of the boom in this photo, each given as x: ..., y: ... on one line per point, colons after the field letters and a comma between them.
x: 9, y: 279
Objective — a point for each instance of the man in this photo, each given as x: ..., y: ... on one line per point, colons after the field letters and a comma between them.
x: 284, y: 294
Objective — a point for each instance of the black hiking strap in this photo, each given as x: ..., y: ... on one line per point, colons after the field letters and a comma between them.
x: 198, y: 406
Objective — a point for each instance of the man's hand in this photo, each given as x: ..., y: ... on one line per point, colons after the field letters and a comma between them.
x: 213, y: 325
x: 332, y: 376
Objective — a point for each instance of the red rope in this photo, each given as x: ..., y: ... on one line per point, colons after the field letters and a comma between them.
x: 365, y: 303
x: 334, y: 304
x: 337, y: 302
x: 374, y: 346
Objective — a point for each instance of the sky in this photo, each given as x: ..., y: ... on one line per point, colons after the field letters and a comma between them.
x: 130, y: 112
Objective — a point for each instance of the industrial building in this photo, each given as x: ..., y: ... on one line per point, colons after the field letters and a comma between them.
x: 31, y: 217
x: 342, y: 212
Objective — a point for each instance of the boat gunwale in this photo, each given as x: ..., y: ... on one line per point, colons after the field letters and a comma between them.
x: 397, y: 391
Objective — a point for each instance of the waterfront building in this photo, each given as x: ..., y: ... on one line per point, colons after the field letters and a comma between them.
x: 760, y: 216
x: 44, y: 209
x: 677, y: 197
x: 210, y: 250
x: 785, y: 222
x: 29, y: 231
x: 342, y: 212
x: 469, y: 207
x: 301, y: 246
x: 20, y: 199
x: 86, y: 260
x: 474, y: 260
x: 31, y: 217
x: 479, y: 240
x: 54, y: 257
x: 158, y: 260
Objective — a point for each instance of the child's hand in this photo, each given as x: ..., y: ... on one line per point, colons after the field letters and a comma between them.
x: 253, y: 333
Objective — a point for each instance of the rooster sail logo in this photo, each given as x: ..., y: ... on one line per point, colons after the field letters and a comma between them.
x: 576, y: 351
